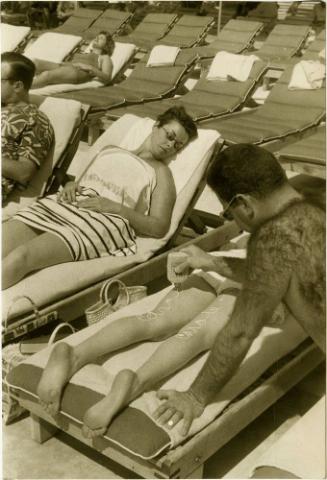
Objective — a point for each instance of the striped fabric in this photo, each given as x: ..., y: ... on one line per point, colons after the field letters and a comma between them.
x: 114, y: 174
x: 87, y: 234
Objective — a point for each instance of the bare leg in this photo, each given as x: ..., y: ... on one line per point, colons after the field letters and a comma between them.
x: 63, y: 74
x: 42, y: 65
x: 16, y: 233
x: 196, y: 337
x: 32, y: 256
x: 64, y: 360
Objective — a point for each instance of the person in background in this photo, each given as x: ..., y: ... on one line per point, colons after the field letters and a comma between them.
x: 66, y: 10
x: 96, y: 64
x: 26, y: 133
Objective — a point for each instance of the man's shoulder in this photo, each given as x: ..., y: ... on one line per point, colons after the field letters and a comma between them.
x: 288, y: 226
x: 302, y: 212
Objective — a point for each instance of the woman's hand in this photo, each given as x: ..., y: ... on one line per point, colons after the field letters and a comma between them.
x: 68, y: 193
x: 178, y: 406
x: 99, y: 204
x: 197, y: 258
x: 85, y: 68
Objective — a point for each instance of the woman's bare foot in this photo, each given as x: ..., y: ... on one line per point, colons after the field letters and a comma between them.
x: 97, y: 418
x: 58, y: 371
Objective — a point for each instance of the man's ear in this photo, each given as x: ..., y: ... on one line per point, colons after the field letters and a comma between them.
x: 18, y: 86
x: 247, y: 204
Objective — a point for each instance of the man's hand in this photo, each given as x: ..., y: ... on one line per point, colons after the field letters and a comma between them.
x: 197, y: 258
x: 99, y: 204
x: 68, y: 193
x: 178, y: 406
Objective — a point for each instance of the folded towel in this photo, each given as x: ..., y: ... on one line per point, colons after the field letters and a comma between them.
x: 307, y: 75
x: 162, y: 55
x: 226, y: 65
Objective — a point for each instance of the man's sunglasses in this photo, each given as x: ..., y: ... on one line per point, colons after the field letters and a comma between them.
x: 226, y: 213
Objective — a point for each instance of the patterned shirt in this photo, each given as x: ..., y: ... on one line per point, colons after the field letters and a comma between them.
x: 27, y: 133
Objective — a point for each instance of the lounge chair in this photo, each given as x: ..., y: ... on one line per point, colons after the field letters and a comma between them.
x: 153, y: 27
x: 300, y: 451
x: 279, y: 358
x: 68, y: 281
x: 13, y: 37
x: 188, y: 31
x: 68, y: 130
x: 265, y: 12
x: 113, y: 21
x: 53, y: 47
x: 143, y: 84
x: 236, y: 37
x: 285, y: 113
x: 208, y: 98
x: 79, y: 21
x: 122, y: 56
x: 283, y: 42
x: 307, y: 155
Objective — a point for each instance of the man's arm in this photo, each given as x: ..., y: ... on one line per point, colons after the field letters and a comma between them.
x: 229, y: 267
x: 21, y: 171
x: 268, y: 272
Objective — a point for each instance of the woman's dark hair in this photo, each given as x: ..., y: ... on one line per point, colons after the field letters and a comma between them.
x: 179, y: 114
x: 245, y: 168
x: 21, y: 68
x: 110, y: 43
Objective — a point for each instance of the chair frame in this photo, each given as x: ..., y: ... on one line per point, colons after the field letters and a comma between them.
x: 187, y: 460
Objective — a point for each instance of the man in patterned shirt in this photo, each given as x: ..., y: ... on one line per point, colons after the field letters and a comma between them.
x: 26, y: 133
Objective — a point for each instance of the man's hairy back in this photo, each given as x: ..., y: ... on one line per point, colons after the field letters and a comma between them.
x: 289, y: 249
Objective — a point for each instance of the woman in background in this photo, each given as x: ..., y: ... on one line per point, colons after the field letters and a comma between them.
x: 96, y: 64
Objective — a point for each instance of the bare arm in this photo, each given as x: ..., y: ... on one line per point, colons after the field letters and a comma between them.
x: 229, y: 267
x: 270, y: 261
x: 163, y: 198
x: 21, y: 171
x: 104, y: 74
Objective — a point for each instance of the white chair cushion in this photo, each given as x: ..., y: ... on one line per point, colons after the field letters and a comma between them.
x: 122, y: 53
x: 11, y: 36
x: 162, y: 55
x: 51, y: 46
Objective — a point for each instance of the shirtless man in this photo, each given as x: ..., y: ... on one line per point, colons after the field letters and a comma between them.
x: 285, y: 262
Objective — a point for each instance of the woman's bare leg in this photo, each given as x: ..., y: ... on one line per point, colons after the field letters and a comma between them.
x: 42, y: 65
x: 165, y: 320
x: 194, y: 338
x: 41, y: 251
x: 16, y: 233
x: 63, y: 74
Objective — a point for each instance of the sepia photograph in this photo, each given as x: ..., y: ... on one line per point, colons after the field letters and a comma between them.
x: 163, y: 239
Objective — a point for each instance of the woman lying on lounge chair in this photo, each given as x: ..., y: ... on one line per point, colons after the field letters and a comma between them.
x: 82, y: 68
x: 121, y: 194
x: 189, y: 320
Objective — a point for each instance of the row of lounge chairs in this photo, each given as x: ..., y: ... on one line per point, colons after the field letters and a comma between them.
x: 64, y: 291
x: 186, y: 31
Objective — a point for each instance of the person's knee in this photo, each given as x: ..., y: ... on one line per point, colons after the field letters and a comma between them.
x: 153, y: 326
x: 20, y: 258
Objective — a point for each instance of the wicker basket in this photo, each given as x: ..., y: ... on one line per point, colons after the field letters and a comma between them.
x: 114, y: 294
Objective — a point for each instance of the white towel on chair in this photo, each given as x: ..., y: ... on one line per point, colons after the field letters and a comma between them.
x: 226, y: 65
x: 162, y: 55
x: 307, y: 75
